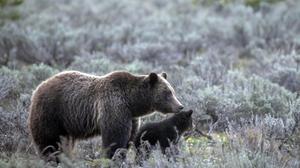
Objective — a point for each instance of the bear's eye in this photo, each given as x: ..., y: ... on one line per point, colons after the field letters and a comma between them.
x: 167, y: 94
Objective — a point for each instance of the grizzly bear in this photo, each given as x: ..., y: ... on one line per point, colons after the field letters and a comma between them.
x: 73, y: 105
x: 163, y: 133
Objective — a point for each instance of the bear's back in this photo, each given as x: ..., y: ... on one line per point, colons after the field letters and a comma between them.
x: 59, y: 86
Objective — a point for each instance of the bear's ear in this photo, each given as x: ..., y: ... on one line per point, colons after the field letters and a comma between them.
x: 189, y: 113
x: 152, y: 78
x: 164, y: 75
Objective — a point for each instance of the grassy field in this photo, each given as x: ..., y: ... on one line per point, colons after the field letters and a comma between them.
x: 238, y: 60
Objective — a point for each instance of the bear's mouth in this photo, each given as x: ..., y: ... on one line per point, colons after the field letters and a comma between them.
x: 175, y: 111
x: 179, y: 109
x: 169, y: 112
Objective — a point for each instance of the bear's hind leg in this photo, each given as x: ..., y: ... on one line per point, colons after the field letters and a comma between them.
x: 57, y: 146
x: 50, y: 141
x: 49, y: 149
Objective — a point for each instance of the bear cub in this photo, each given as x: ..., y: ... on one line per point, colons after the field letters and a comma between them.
x: 163, y: 132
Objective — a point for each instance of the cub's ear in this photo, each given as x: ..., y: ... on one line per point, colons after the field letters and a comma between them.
x: 189, y: 113
x: 152, y: 78
x: 164, y: 75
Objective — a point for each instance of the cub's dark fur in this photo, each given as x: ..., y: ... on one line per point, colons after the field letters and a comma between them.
x: 164, y: 132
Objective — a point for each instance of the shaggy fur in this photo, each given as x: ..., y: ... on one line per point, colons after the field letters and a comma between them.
x: 164, y: 132
x: 74, y: 105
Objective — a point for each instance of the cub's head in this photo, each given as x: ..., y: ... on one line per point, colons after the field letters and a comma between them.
x: 163, y: 95
x: 183, y: 120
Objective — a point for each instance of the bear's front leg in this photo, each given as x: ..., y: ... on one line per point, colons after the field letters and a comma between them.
x: 134, y: 129
x: 115, y: 136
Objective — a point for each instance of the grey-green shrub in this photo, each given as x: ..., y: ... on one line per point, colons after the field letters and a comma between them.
x: 227, y: 58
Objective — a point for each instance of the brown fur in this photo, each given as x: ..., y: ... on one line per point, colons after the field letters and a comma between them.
x: 75, y: 105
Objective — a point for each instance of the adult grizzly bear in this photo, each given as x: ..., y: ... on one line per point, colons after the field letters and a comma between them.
x: 74, y: 105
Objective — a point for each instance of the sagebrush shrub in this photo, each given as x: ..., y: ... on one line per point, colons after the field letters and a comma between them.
x: 233, y: 60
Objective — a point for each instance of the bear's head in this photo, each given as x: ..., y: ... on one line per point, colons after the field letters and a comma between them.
x: 162, y: 93
x: 183, y: 120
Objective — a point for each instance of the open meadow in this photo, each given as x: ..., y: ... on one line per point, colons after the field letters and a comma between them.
x: 236, y: 60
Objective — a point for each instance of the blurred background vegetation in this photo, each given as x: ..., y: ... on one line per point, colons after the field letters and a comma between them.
x: 237, y: 60
x: 7, y: 10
